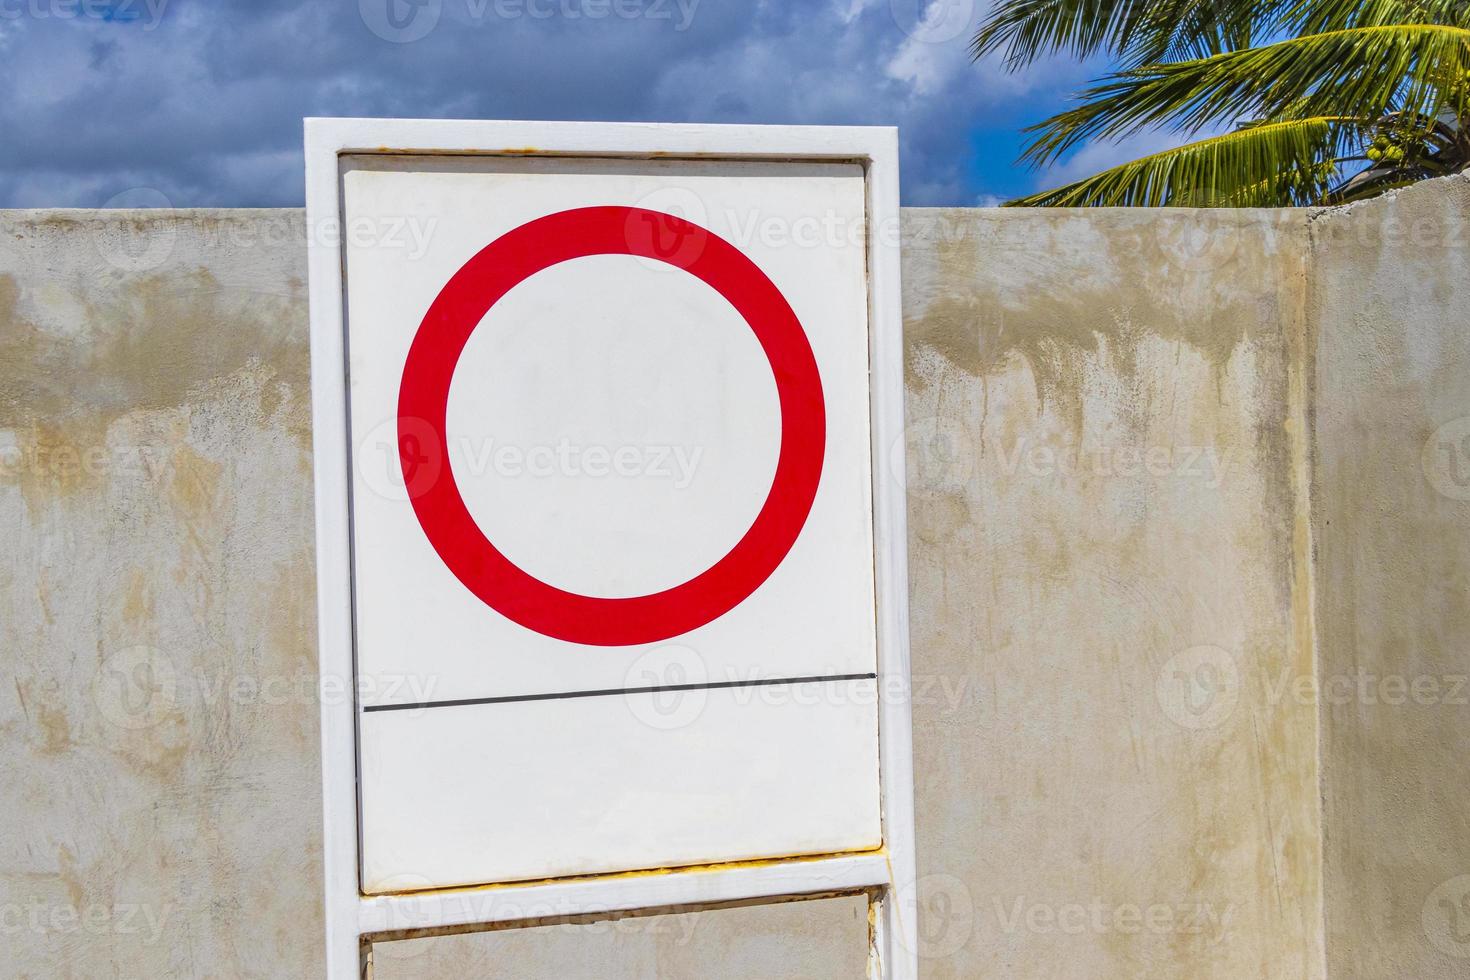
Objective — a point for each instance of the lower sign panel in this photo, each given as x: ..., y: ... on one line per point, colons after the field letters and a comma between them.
x: 663, y: 779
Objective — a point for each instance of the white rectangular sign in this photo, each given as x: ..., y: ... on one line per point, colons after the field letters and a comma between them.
x: 609, y: 463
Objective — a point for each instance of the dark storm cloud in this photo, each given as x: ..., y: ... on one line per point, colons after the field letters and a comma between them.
x: 203, y: 100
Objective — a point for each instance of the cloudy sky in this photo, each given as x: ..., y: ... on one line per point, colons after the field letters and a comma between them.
x: 200, y: 101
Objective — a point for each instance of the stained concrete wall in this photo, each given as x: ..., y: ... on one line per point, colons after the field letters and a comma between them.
x: 157, y: 619
x: 1391, y: 302
x: 1108, y: 556
x: 788, y: 941
x: 1118, y: 493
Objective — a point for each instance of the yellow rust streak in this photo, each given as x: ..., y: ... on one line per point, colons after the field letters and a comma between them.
x: 874, y: 960
x: 642, y: 873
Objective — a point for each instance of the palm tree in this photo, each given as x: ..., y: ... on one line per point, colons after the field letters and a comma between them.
x: 1319, y: 101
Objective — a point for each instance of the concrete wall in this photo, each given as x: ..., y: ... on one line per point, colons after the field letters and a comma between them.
x: 788, y: 941
x: 1391, y: 303
x: 156, y: 504
x: 1117, y: 494
x: 1108, y: 555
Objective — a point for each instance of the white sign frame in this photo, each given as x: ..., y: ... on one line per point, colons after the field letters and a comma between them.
x: 887, y: 874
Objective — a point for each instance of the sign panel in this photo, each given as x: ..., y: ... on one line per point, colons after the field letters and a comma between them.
x: 612, y: 516
x: 604, y: 550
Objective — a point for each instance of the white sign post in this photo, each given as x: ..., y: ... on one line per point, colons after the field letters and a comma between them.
x: 610, y: 523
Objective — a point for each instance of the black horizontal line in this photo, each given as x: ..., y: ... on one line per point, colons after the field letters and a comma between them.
x: 612, y: 691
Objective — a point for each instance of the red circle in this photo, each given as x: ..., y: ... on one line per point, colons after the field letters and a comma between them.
x: 424, y: 395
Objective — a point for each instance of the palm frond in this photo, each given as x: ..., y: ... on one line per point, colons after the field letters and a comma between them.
x: 1250, y: 167
x: 1358, y: 72
x: 1319, y: 16
x: 1134, y: 31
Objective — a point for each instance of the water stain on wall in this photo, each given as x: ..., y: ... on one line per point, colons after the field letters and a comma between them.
x: 155, y: 477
